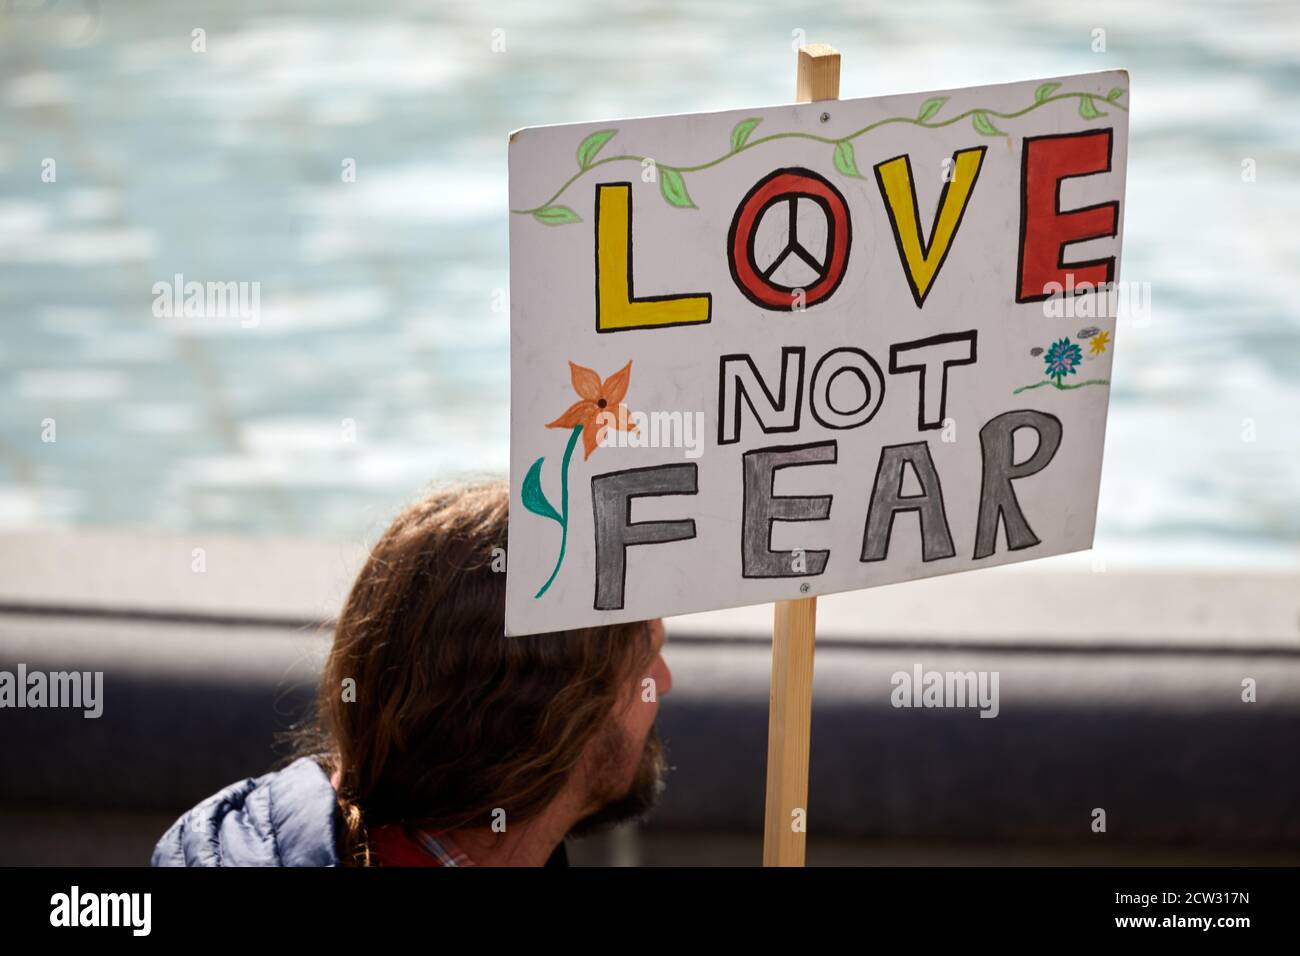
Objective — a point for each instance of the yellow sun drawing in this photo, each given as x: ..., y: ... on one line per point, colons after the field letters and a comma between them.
x: 1098, y: 343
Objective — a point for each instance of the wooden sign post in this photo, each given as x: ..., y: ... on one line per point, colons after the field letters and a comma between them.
x: 794, y: 623
x: 724, y: 324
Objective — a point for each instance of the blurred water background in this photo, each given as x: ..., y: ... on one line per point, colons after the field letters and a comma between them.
x: 377, y: 297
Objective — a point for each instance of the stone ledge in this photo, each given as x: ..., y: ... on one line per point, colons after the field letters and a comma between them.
x: 254, y: 581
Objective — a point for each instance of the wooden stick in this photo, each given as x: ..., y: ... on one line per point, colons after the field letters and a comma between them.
x: 818, y: 76
x: 788, y: 722
x: 794, y: 623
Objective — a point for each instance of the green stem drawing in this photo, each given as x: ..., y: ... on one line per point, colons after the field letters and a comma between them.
x: 535, y: 501
x: 673, y: 186
x: 1057, y: 384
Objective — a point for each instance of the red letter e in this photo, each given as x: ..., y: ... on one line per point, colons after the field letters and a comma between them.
x: 1045, y: 230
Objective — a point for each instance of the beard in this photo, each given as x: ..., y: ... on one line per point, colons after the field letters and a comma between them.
x: 640, y: 796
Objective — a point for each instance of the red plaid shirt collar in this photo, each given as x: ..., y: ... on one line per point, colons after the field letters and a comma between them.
x: 396, y: 845
x: 442, y: 849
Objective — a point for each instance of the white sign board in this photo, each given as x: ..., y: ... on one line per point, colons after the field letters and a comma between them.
x: 783, y: 352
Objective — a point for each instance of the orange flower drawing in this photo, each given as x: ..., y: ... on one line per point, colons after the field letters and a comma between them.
x: 600, y: 405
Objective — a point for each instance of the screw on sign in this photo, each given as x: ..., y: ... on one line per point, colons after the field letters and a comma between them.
x: 788, y: 187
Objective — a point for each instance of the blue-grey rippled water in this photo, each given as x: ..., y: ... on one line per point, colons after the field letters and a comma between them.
x: 377, y: 297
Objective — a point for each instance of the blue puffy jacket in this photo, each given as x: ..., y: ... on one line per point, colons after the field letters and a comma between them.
x: 284, y: 818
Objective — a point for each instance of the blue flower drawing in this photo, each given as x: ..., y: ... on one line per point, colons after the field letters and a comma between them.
x: 1062, y: 358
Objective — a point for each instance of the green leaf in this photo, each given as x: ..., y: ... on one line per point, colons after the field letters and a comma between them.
x: 556, y: 216
x: 1088, y: 109
x: 845, y: 161
x: 741, y: 133
x: 534, y: 498
x: 1115, y: 94
x: 1044, y: 91
x: 673, y: 188
x: 590, y: 146
x: 984, y: 126
x: 930, y: 107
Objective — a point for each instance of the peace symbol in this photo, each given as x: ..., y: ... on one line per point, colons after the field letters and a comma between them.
x: 789, y: 186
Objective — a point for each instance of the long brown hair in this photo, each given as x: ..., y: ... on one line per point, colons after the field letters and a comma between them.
x: 452, y: 719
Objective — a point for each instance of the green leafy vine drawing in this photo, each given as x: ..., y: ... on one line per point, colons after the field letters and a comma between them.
x: 672, y: 179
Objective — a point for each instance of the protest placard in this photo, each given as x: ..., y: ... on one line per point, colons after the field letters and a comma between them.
x: 782, y: 352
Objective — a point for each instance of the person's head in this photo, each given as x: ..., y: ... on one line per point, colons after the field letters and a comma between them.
x: 447, y: 719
